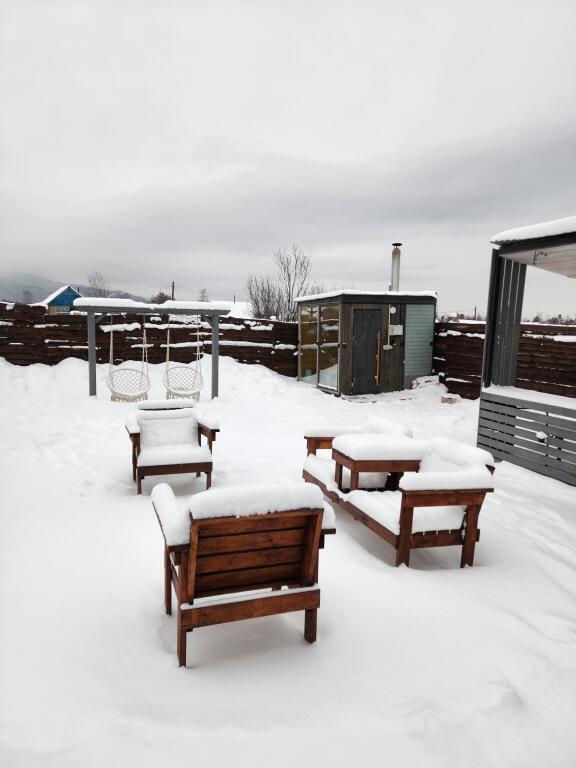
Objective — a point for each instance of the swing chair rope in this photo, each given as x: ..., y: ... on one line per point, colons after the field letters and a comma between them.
x: 111, y: 362
x: 182, y: 380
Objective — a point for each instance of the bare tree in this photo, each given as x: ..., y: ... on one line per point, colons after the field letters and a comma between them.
x: 203, y: 295
x: 264, y: 296
x: 293, y: 271
x: 98, y: 285
x: 159, y: 298
x: 27, y: 296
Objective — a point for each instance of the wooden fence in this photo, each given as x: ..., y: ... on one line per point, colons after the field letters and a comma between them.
x: 546, y: 357
x: 30, y: 335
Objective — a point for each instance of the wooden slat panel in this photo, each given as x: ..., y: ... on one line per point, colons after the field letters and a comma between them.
x: 210, y: 545
x: 227, y: 525
x: 521, y: 461
x: 286, y: 574
x: 251, y: 559
x: 202, y: 616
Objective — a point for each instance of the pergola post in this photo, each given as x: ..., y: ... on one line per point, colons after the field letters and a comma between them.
x: 91, y: 323
x: 215, y: 353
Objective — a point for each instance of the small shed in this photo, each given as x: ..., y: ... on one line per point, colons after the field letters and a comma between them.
x: 61, y: 300
x: 536, y: 430
x: 360, y: 343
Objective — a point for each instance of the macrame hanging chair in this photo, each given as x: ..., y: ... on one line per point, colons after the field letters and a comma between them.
x: 183, y: 381
x: 128, y: 384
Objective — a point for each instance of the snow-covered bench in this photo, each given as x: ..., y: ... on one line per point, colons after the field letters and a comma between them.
x: 322, y: 436
x: 262, y: 541
x: 436, y: 506
x: 169, y: 443
x: 207, y: 426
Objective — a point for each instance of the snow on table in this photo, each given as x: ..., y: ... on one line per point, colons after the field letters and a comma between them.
x: 429, y: 666
x: 375, y: 447
x: 377, y: 425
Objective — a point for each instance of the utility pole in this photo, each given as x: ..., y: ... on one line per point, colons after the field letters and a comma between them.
x: 172, y: 290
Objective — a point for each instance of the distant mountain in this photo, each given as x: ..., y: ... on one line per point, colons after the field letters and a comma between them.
x: 29, y: 288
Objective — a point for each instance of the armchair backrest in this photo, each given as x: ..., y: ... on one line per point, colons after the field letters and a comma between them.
x: 161, y: 428
x: 444, y: 455
x: 231, y: 554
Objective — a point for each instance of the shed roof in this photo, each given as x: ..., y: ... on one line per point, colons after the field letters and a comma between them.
x: 360, y: 294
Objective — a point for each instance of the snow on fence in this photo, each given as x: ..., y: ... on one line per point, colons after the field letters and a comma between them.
x: 546, y: 357
x: 28, y: 335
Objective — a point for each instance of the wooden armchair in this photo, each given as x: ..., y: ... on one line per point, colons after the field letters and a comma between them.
x: 169, y: 442
x: 207, y: 428
x: 236, y: 540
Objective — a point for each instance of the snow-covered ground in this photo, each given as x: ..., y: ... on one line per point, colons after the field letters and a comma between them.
x: 427, y: 666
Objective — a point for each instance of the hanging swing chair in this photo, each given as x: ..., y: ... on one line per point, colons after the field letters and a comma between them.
x: 128, y: 384
x: 183, y: 381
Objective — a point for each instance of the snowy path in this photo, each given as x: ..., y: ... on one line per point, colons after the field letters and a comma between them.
x: 427, y: 666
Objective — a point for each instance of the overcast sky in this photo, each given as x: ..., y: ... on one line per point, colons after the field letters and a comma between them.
x: 160, y: 140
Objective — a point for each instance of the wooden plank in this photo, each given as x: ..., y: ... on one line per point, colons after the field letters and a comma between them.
x: 211, y: 545
x: 438, y: 539
x: 286, y: 574
x: 251, y: 559
x: 225, y: 526
x: 203, y: 616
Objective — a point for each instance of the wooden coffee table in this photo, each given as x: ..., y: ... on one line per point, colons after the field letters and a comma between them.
x: 394, y: 467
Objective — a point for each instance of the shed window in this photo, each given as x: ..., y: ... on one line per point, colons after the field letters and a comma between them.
x: 309, y: 344
x: 329, y: 344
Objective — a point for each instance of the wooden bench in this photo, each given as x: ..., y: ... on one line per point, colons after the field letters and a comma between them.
x: 398, y: 509
x: 275, y: 553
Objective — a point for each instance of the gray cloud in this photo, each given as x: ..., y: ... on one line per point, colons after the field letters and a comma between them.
x: 176, y: 197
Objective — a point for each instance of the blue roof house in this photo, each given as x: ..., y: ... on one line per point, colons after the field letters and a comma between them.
x: 61, y: 300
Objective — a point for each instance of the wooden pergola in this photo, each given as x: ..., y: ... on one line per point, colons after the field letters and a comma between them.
x: 533, y: 429
x: 102, y: 307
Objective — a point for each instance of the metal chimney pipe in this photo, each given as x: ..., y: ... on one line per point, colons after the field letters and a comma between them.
x: 395, y: 277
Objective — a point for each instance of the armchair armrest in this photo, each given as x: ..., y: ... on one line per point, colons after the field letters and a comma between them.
x: 208, y: 432
x: 467, y: 479
x: 313, y: 443
x: 438, y: 489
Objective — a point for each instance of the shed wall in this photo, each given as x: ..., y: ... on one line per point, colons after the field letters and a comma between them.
x: 418, y: 341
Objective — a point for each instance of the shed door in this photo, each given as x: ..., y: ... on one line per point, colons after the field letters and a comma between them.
x: 366, y: 325
x: 418, y: 341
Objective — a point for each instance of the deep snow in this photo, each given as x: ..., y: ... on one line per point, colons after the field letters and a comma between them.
x: 427, y: 666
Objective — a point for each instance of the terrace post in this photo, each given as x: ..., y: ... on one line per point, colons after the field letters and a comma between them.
x: 215, y: 353
x: 91, y: 323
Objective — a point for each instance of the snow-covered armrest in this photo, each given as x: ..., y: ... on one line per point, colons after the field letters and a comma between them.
x: 464, y: 480
x: 174, y: 520
x: 208, y: 431
x: 254, y: 500
x: 206, y: 420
